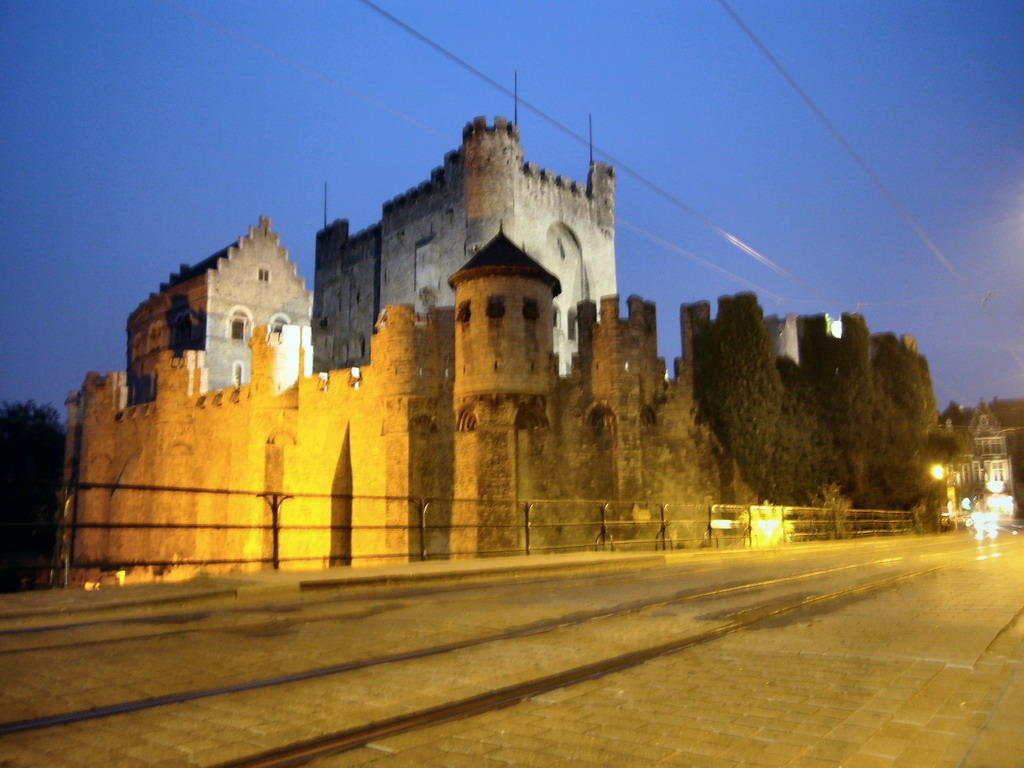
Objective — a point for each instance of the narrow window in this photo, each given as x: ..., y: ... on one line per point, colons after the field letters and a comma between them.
x: 238, y: 328
x: 570, y: 321
x: 264, y: 275
x: 495, y: 306
x: 462, y: 314
x: 530, y: 309
x: 236, y: 375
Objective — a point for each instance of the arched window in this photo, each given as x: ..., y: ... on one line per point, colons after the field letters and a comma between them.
x: 239, y: 323
x: 601, y: 420
x: 466, y: 421
x: 278, y: 321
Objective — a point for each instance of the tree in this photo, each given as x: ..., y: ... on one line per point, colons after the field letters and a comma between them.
x: 904, y: 419
x: 31, y: 461
x: 837, y: 371
x: 739, y: 389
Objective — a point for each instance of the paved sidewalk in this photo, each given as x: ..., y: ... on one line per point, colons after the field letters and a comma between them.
x: 59, y: 603
x: 55, y: 603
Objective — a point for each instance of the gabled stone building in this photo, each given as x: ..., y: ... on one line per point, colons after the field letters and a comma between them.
x: 995, y: 468
x: 213, y: 306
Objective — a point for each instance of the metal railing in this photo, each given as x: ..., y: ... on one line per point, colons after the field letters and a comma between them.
x: 111, y: 527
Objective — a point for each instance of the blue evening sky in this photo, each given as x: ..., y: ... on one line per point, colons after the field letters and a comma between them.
x: 141, y: 134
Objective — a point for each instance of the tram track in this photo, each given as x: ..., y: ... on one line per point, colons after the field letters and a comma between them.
x: 356, y: 594
x: 527, y: 630
x: 353, y: 738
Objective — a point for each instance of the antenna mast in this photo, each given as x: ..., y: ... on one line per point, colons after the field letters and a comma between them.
x: 515, y: 114
x: 590, y: 131
x: 325, y: 205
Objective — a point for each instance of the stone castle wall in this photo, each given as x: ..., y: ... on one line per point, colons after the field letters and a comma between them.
x: 360, y: 451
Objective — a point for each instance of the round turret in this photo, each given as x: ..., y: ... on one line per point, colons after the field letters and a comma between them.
x: 503, y: 320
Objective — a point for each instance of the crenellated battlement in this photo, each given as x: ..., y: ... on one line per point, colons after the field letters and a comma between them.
x: 501, y: 127
x: 543, y: 175
x: 408, y: 351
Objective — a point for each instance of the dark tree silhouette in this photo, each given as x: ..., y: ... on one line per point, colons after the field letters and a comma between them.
x: 31, y: 460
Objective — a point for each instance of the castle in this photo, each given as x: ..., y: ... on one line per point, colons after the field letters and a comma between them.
x: 462, y: 368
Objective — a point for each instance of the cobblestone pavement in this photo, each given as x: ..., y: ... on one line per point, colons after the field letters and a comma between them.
x: 906, y: 678
x: 925, y: 673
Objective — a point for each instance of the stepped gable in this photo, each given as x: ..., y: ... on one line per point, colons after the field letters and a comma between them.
x: 503, y: 257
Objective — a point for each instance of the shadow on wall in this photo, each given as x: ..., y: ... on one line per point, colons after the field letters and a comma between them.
x: 341, y: 506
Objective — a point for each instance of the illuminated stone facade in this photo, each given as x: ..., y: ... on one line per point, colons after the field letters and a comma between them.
x: 462, y: 415
x: 213, y: 307
x: 465, y: 375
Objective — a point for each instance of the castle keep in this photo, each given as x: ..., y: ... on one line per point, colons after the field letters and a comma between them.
x: 495, y: 383
x: 429, y: 232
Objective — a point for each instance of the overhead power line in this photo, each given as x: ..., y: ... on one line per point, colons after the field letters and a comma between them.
x: 620, y: 166
x: 904, y: 214
x: 622, y: 223
x: 306, y: 70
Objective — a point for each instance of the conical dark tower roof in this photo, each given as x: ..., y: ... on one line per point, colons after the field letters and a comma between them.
x: 503, y: 257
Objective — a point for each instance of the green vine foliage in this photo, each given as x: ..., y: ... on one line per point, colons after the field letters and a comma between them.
x: 857, y: 415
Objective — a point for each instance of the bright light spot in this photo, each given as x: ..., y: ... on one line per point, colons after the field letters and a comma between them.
x: 938, y: 472
x: 833, y: 328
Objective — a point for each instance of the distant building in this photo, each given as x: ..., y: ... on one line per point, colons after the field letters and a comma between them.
x: 213, y: 307
x: 996, y: 438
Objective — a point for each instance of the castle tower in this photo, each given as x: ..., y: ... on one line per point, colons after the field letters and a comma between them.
x: 429, y: 231
x: 624, y: 377
x: 504, y: 369
x: 408, y: 377
x: 492, y: 158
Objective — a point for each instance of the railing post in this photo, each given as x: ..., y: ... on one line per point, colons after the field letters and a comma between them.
x: 423, y: 505
x: 527, y: 506
x: 602, y: 535
x: 62, y: 550
x: 275, y: 500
